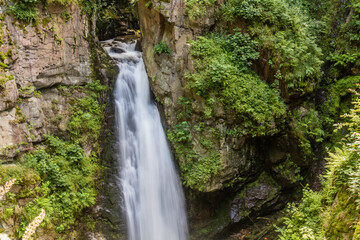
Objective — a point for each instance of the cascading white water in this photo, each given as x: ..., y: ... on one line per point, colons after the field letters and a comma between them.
x: 153, y: 197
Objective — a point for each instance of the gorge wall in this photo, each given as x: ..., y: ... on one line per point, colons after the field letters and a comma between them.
x: 52, y: 110
x: 233, y: 166
x: 40, y: 59
x: 249, y: 91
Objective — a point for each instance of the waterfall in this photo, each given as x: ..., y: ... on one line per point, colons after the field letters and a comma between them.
x: 153, y: 197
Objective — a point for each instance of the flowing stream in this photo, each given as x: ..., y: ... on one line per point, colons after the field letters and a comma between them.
x: 153, y: 197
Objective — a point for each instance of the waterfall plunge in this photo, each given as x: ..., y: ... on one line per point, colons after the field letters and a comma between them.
x: 153, y: 198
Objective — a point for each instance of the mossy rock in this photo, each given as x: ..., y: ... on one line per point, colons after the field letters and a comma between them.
x: 255, y: 197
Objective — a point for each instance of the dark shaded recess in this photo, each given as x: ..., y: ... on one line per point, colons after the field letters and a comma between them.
x: 218, y: 206
x: 108, y: 213
x: 116, y: 18
x: 252, y: 221
x: 111, y: 217
x: 212, y: 211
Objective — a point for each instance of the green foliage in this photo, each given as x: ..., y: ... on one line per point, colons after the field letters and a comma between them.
x: 222, y: 70
x: 197, y: 174
x: 58, y: 176
x: 289, y: 170
x: 90, y: 6
x: 304, y: 219
x: 343, y: 19
x: 308, y: 130
x: 198, y: 8
x: 3, y: 66
x: 333, y: 212
x: 254, y: 101
x: 108, y: 14
x: 197, y: 170
x: 180, y: 133
x: 68, y: 183
x: 25, y: 10
x: 351, y: 28
x: 57, y: 39
x: 161, y: 47
x: 2, y: 56
x: 284, y: 36
x: 184, y: 110
x: 159, y: 7
x: 66, y: 16
x: 23, y: 174
x: 85, y: 123
x: 148, y: 4
x: 242, y: 47
x: 338, y: 101
x: 343, y: 59
x: 3, y: 80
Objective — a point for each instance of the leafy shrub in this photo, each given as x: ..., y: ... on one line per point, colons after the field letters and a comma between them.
x: 180, y: 133
x: 333, y: 212
x: 58, y: 178
x: 85, y: 123
x: 242, y: 48
x: 25, y: 10
x: 308, y: 130
x: 284, y: 36
x: 197, y: 170
x: 198, y: 174
x: 304, y: 219
x: 343, y: 59
x: 90, y: 6
x: 222, y: 69
x: 340, y: 37
x: 336, y: 103
x: 255, y: 102
x: 198, y: 8
x: 23, y: 174
x: 68, y: 183
x: 289, y: 170
x: 184, y: 110
x: 86, y: 118
x: 161, y: 47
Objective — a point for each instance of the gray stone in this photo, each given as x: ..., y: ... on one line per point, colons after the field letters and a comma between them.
x: 256, y: 197
x: 14, y: 135
x: 44, y: 57
x: 9, y: 95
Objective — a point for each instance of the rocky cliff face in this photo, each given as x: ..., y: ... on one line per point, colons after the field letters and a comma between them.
x: 44, y: 68
x: 40, y: 59
x: 233, y: 176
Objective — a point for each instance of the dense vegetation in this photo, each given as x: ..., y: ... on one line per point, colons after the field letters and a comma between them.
x: 285, y: 39
x: 255, y: 74
x: 332, y: 212
x: 278, y: 66
x: 245, y: 76
x: 65, y: 184
x: 28, y: 10
x: 223, y: 73
x: 58, y: 176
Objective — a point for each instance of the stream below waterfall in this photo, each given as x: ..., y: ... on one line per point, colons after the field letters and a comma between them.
x: 152, y: 195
